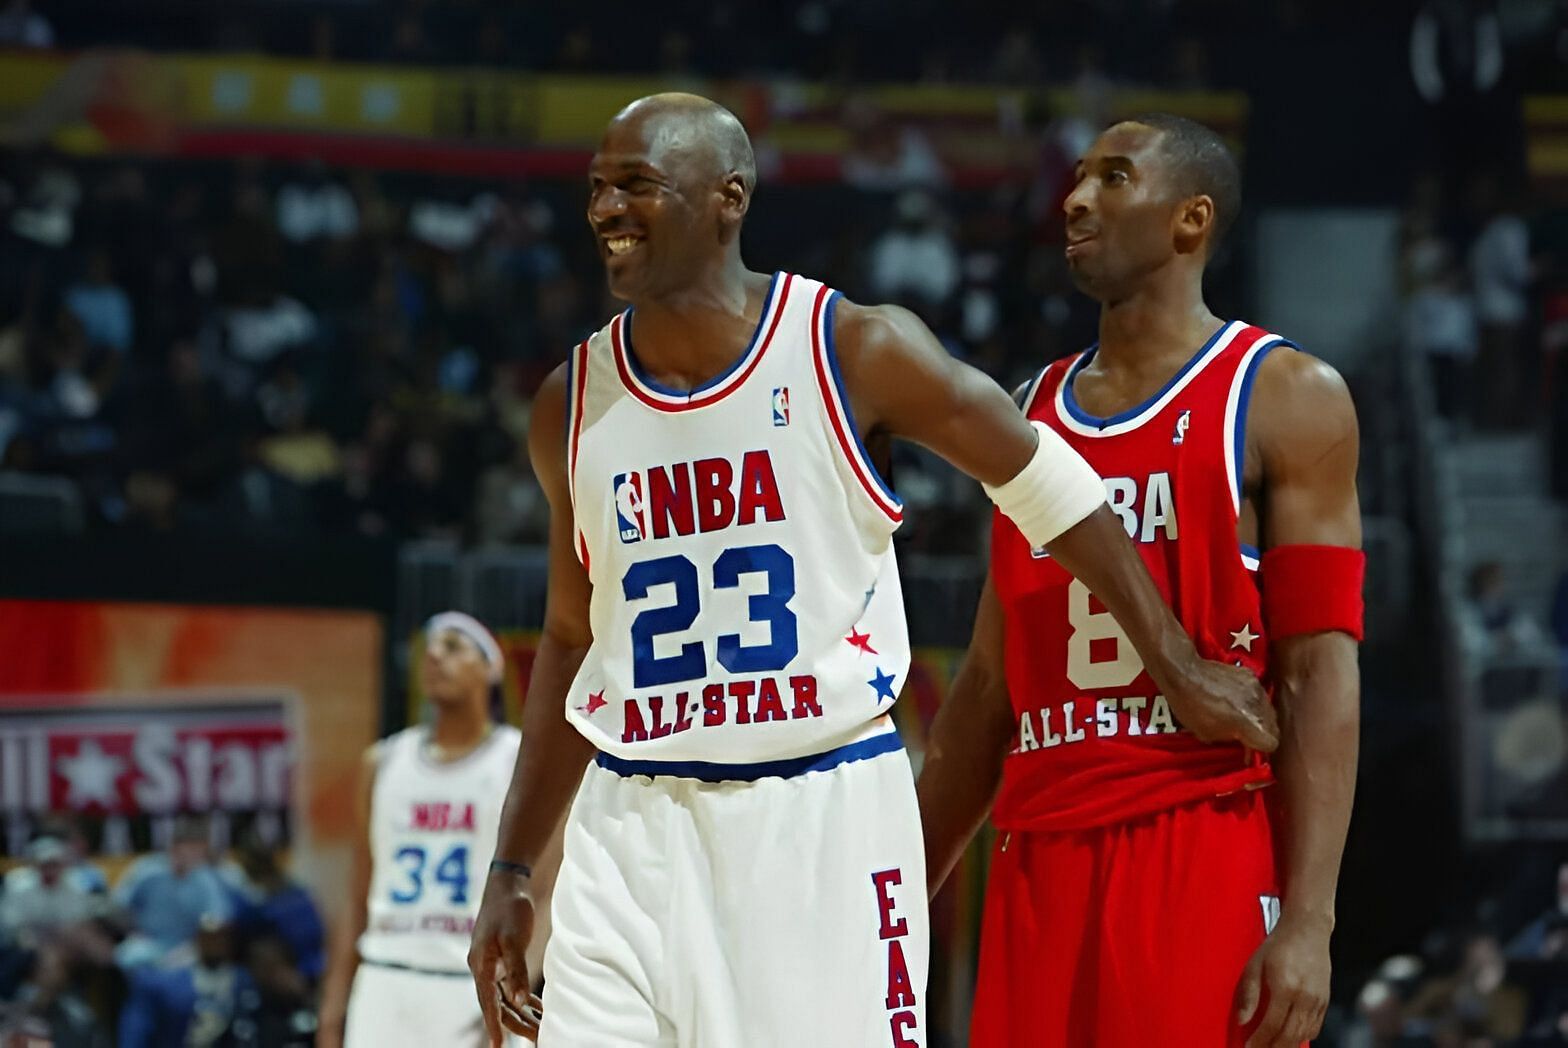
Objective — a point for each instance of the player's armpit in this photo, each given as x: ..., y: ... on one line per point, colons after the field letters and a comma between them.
x: 902, y: 382
x: 968, y: 742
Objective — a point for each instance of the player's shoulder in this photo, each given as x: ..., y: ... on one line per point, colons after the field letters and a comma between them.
x: 1290, y: 373
x: 873, y: 328
x: 384, y: 751
x: 1297, y: 396
x: 553, y: 390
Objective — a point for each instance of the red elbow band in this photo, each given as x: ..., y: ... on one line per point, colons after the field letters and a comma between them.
x: 1313, y: 589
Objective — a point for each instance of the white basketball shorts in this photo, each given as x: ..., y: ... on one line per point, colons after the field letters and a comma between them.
x: 724, y: 906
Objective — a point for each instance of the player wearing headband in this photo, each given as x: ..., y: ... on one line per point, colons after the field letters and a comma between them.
x: 429, y: 801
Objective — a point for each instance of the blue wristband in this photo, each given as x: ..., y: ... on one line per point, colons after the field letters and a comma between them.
x: 502, y: 866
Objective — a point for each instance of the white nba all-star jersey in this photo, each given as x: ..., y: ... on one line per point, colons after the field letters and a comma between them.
x: 432, y: 835
x: 746, y: 604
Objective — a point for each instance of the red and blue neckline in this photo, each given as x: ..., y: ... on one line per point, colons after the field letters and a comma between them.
x: 664, y: 398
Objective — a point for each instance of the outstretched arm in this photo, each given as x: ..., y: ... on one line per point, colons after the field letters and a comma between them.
x: 553, y: 754
x: 966, y: 747
x: 962, y: 415
x: 1303, y: 430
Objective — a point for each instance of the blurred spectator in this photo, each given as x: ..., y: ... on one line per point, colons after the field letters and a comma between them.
x: 268, y: 326
x: 1477, y: 1000
x: 168, y: 895
x: 47, y: 1005
x: 1440, y: 324
x: 47, y: 213
x: 1017, y: 59
x: 101, y: 306
x: 268, y: 904
x: 1546, y: 937
x: 885, y: 155
x: 1500, y: 272
x: 316, y: 208
x: 1380, y: 1018
x: 276, y: 1011
x: 192, y: 1005
x: 181, y: 428
x: 915, y: 259
x: 21, y: 26
x: 1491, y: 620
x: 80, y: 872
x: 52, y: 905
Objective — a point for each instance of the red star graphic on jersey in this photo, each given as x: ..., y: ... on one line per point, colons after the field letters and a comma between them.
x: 861, y: 641
x: 595, y: 703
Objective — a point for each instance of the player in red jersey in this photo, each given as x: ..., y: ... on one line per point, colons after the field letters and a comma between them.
x: 1134, y: 897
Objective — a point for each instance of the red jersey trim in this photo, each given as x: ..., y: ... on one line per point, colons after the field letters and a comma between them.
x: 663, y: 399
x: 576, y: 393
x: 836, y: 400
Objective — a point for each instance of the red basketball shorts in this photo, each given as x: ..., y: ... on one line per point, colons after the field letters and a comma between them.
x: 1128, y: 935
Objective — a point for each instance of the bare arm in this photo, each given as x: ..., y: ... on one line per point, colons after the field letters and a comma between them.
x: 968, y: 742
x: 343, y: 961
x: 962, y: 415
x: 553, y: 754
x: 1305, y: 435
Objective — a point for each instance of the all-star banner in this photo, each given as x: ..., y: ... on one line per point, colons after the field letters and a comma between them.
x: 127, y: 771
x: 128, y: 716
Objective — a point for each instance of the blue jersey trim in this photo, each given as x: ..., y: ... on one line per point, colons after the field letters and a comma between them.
x: 756, y: 336
x: 1087, y: 419
x: 571, y: 398
x: 707, y: 771
x: 442, y: 972
x: 831, y: 346
x: 1239, y: 447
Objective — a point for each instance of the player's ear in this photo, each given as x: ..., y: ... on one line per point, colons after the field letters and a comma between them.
x: 1194, y: 224
x: 734, y: 198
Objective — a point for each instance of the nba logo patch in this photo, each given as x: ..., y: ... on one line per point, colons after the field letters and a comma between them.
x: 629, y: 506
x: 781, y: 405
x: 1182, y: 422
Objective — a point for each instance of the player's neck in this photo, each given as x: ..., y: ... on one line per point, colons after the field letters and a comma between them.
x: 1161, y: 322
x: 458, y: 729
x: 695, y: 333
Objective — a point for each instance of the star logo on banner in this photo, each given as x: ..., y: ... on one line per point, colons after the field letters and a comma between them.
x: 861, y: 641
x: 1243, y: 637
x: 595, y: 703
x: 883, y: 683
x: 92, y: 774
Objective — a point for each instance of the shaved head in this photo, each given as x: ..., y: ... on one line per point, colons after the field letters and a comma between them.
x: 696, y: 129
x: 669, y: 190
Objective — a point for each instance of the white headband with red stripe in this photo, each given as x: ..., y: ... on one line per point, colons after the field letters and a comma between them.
x: 474, y: 630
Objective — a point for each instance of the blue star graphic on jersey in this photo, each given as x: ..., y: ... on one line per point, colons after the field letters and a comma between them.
x: 883, y: 683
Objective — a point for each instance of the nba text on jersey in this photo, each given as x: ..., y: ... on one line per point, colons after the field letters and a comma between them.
x: 700, y: 496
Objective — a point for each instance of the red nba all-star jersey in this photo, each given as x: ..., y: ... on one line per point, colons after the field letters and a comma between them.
x: 1096, y: 741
